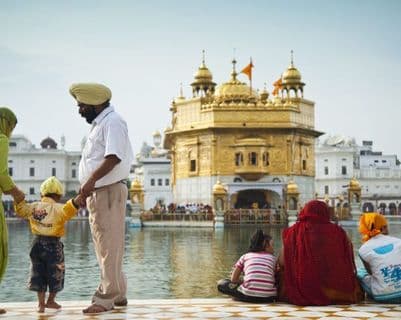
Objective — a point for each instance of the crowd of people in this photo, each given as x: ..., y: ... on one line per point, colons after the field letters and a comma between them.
x: 316, y: 266
x: 189, y: 208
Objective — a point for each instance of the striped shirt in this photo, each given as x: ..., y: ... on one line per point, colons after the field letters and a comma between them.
x: 258, y: 269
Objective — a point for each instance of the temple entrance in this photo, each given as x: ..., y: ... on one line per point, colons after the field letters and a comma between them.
x: 256, y: 199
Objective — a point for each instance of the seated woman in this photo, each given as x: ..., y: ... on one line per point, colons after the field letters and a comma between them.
x: 258, y: 268
x: 381, y: 256
x: 317, y: 261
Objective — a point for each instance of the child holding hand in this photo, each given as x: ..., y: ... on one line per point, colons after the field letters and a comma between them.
x: 47, y: 219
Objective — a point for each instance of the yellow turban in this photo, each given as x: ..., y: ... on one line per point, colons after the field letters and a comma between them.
x: 90, y: 93
x: 51, y: 185
x: 370, y: 225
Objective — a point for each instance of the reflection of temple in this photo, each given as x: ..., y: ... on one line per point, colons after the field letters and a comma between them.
x: 252, y: 143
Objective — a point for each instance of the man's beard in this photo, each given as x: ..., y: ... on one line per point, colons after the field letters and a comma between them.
x: 89, y: 115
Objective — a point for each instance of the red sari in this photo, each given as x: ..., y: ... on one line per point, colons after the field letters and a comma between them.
x: 319, y: 267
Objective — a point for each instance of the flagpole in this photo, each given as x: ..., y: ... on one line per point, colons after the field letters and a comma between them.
x: 250, y: 79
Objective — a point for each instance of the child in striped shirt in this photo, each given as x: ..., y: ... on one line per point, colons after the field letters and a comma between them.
x: 258, y: 267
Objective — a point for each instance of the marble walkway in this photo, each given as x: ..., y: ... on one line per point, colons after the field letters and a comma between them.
x: 204, y: 309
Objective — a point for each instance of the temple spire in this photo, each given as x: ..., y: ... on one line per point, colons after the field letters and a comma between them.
x: 181, y: 91
x: 234, y: 72
x: 292, y: 58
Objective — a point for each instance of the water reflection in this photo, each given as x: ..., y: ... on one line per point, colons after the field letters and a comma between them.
x: 159, y: 262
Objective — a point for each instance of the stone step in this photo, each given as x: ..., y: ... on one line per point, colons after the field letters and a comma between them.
x: 174, y: 309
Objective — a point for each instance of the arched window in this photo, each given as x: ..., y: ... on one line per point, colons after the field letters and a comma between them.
x: 292, y: 203
x: 266, y: 159
x: 192, y: 162
x: 392, y: 208
x: 253, y: 158
x: 367, y: 207
x: 239, y: 159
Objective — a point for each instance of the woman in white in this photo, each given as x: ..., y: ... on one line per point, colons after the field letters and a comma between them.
x: 381, y: 256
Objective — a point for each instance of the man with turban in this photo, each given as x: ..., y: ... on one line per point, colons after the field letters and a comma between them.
x: 103, y: 170
x: 8, y: 121
x: 381, y: 256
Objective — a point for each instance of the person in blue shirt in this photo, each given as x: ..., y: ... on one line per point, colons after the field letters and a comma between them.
x: 381, y: 257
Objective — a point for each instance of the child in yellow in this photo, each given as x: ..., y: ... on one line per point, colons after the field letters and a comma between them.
x: 47, y: 219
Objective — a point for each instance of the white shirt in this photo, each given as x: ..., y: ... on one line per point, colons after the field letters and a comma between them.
x: 383, y: 254
x: 108, y: 136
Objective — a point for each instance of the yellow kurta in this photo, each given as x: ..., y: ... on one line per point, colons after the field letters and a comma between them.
x: 46, y: 217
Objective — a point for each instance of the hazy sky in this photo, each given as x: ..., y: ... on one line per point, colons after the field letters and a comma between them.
x: 349, y: 54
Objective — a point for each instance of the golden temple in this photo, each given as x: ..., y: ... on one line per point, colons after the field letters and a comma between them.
x: 252, y: 142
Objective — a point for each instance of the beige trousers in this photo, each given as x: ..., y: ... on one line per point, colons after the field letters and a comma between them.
x: 107, y: 220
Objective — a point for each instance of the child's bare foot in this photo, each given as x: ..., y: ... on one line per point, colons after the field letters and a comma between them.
x: 53, y: 305
x: 41, y: 308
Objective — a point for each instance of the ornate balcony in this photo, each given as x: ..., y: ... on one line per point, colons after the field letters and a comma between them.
x: 251, y: 172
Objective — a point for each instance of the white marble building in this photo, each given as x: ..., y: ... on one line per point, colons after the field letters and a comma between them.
x: 153, y: 170
x: 339, y: 158
x: 29, y: 165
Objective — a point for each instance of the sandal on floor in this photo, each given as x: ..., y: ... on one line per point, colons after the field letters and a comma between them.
x: 121, y: 303
x: 95, y: 309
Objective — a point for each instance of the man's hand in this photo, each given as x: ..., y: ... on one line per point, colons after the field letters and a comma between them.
x: 105, y: 167
x: 87, y: 188
x: 78, y: 202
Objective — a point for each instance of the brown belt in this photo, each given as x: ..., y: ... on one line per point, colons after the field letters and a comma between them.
x: 108, y: 185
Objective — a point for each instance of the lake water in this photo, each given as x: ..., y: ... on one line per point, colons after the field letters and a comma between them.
x: 159, y: 262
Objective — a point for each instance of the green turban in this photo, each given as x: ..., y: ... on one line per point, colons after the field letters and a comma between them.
x: 8, y: 120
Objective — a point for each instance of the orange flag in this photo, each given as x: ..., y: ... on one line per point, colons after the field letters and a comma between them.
x: 248, y: 70
x: 277, y: 86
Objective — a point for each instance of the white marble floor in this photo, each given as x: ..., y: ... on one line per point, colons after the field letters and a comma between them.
x: 204, y: 309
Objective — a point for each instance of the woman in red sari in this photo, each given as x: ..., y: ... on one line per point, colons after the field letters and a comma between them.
x: 317, y: 262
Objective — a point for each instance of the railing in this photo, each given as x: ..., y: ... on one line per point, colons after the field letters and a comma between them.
x: 173, y: 216
x: 254, y: 216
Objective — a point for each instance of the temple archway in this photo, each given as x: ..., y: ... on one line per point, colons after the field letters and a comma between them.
x: 256, y: 198
x: 368, y: 207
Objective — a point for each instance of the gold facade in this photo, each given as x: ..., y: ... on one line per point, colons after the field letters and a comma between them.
x: 232, y: 130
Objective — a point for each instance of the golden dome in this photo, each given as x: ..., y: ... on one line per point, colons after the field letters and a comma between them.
x: 156, y: 133
x: 292, y: 187
x: 203, y: 73
x: 354, y: 183
x: 136, y: 185
x: 264, y: 94
x: 218, y: 188
x: 234, y: 89
x: 203, y: 84
x: 291, y: 75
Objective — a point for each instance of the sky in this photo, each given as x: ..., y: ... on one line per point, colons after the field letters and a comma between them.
x: 348, y: 52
